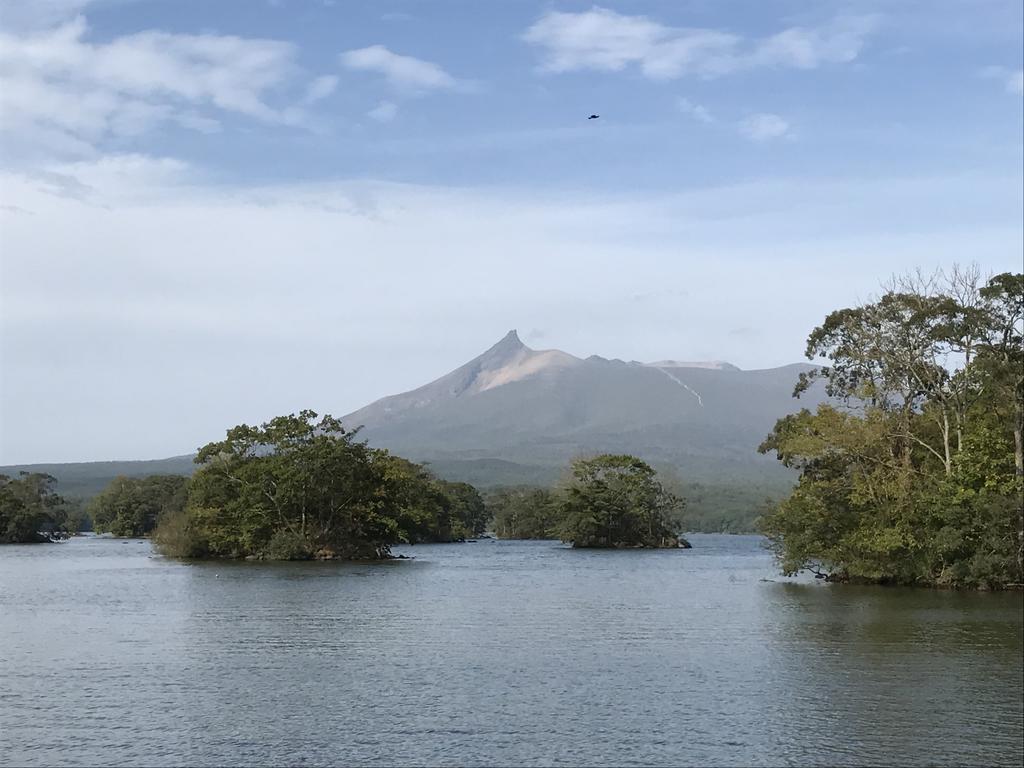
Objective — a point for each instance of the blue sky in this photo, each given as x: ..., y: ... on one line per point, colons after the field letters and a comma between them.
x: 340, y: 200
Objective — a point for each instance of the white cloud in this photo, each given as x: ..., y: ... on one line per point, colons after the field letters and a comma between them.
x: 401, y: 71
x: 1013, y: 80
x: 696, y: 111
x: 603, y: 40
x: 764, y: 126
x: 320, y: 88
x: 384, y: 112
x: 197, y: 122
x: 173, y: 282
x: 27, y: 15
x: 63, y: 94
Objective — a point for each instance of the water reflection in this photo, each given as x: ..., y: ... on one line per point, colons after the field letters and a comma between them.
x: 879, y: 669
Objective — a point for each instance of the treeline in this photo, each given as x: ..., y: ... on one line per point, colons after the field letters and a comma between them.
x: 132, y: 506
x: 297, y: 488
x: 915, y: 475
x: 607, y: 501
x: 302, y: 487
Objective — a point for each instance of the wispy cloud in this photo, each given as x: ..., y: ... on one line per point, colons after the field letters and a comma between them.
x: 764, y: 126
x: 384, y: 112
x: 1012, y: 80
x: 603, y: 40
x: 321, y: 88
x: 405, y: 72
x: 67, y: 94
x: 696, y: 111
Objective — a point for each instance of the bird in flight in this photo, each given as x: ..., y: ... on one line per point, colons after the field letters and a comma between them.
x: 593, y: 117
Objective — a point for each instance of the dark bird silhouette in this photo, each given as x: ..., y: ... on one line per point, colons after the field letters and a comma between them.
x: 593, y: 117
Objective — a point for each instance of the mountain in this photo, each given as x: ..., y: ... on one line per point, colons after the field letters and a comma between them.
x: 516, y: 414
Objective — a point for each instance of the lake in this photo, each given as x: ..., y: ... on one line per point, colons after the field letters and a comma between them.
x: 495, y: 653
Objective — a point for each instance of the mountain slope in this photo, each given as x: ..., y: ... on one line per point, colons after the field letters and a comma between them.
x: 539, y: 409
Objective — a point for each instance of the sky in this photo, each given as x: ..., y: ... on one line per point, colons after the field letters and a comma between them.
x: 218, y: 211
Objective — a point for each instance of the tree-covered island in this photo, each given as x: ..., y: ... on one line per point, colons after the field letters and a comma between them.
x: 302, y: 487
x: 616, y: 501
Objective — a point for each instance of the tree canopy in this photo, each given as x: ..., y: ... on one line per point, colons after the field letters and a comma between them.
x: 524, y: 513
x: 131, y: 506
x: 914, y: 474
x: 617, y: 501
x: 28, y: 507
x: 303, y: 486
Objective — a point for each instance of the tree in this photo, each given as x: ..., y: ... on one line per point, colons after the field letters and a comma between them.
x: 293, y: 488
x: 418, y: 502
x: 301, y: 486
x: 28, y: 508
x: 617, y: 501
x: 909, y: 475
x: 466, y: 508
x: 1001, y: 361
x: 132, y: 506
x: 524, y: 513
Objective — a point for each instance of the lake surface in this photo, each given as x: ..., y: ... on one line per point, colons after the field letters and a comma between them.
x: 495, y: 653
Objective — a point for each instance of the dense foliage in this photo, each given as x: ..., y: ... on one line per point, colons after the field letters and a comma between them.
x: 617, y: 501
x: 916, y: 474
x: 524, y: 513
x: 29, y: 508
x: 131, y: 506
x: 605, y: 501
x: 299, y: 487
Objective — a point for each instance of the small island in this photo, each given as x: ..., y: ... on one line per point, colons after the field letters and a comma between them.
x: 300, y: 487
x: 616, y: 502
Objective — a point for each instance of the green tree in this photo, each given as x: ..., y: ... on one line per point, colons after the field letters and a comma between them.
x: 301, y: 486
x: 468, y: 511
x: 417, y: 502
x: 294, y: 487
x: 524, y: 513
x: 29, y: 508
x: 131, y: 506
x: 617, y: 501
x: 909, y: 475
x: 1001, y: 362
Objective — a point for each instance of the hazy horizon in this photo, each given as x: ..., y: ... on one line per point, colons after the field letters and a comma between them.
x: 217, y: 213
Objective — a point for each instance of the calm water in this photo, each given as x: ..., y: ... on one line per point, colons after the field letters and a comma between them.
x: 495, y: 653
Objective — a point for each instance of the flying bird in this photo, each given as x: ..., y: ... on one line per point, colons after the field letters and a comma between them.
x: 593, y: 117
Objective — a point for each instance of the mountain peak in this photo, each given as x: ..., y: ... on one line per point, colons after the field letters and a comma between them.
x: 510, y: 340
x: 509, y: 348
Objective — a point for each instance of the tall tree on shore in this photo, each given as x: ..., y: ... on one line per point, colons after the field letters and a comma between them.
x: 915, y: 451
